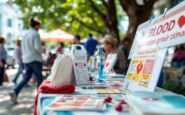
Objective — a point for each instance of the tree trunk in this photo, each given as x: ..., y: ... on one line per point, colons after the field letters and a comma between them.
x: 135, y: 19
x: 137, y: 14
x: 109, y: 18
x: 113, y: 30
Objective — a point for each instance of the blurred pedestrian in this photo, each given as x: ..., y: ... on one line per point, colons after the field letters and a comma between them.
x: 125, y: 48
x: 31, y: 49
x: 43, y: 48
x: 60, y: 49
x: 183, y: 56
x: 18, y: 59
x: 50, y: 60
x: 110, y: 46
x: 178, y: 59
x: 90, y: 45
x: 44, y: 52
x: 183, y: 77
x: 77, y: 39
x: 3, y: 56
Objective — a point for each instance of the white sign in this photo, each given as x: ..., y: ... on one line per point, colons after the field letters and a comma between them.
x: 141, y: 35
x: 162, y: 32
x: 110, y: 62
x: 79, y: 56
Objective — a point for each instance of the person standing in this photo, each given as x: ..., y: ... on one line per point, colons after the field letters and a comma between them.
x: 18, y: 59
x: 125, y: 48
x: 31, y: 49
x: 3, y: 55
x: 90, y: 45
x: 43, y: 48
x: 177, y: 60
x: 60, y: 49
x: 77, y: 39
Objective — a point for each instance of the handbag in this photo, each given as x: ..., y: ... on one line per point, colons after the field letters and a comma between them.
x: 62, y: 72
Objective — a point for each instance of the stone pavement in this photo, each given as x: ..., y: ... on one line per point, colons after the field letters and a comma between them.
x: 25, y: 99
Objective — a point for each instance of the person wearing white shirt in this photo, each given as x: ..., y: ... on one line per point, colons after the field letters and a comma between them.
x: 31, y: 51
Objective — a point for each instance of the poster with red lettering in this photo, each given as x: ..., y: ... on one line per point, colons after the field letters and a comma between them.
x: 163, y: 31
x: 150, y: 46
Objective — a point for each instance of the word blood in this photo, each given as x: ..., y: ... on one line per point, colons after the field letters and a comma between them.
x: 168, y: 26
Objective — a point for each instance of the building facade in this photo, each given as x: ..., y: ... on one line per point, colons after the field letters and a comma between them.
x: 10, y: 22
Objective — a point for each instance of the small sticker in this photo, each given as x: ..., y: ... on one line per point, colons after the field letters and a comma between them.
x: 150, y: 99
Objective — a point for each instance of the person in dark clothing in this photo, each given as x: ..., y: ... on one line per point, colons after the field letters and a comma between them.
x: 60, y: 49
x: 77, y: 39
x: 3, y: 55
x: 18, y: 59
x: 90, y: 45
x: 125, y: 48
x: 178, y: 59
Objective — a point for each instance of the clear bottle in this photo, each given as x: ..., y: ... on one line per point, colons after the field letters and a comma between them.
x: 91, y: 68
x: 99, y: 61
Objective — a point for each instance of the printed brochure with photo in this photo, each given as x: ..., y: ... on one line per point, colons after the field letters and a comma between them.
x: 78, y: 103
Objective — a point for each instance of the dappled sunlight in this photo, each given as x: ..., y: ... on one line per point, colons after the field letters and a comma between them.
x: 25, y: 101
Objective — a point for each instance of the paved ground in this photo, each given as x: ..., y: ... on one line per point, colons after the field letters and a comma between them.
x: 25, y: 100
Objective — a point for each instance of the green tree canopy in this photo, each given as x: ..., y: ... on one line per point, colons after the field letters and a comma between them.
x: 74, y: 16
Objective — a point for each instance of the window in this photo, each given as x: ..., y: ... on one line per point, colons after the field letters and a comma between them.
x: 9, y: 23
x: 9, y: 36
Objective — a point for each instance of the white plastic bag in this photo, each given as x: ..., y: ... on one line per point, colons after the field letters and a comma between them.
x: 62, y: 71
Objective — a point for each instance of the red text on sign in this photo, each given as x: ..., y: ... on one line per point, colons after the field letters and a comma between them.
x: 168, y: 26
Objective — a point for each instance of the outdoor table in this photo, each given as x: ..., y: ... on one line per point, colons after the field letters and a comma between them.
x: 45, y: 99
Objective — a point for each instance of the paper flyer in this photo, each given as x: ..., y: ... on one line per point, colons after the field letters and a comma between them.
x: 110, y: 91
x: 144, y: 70
x: 77, y: 102
x: 109, y: 62
x: 141, y: 70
